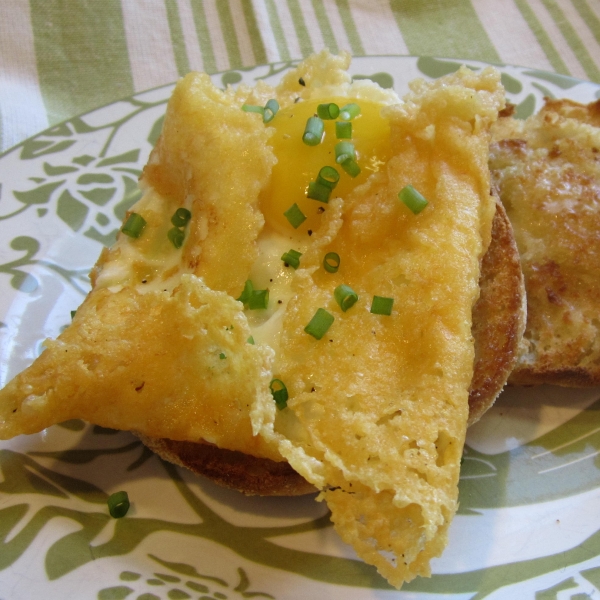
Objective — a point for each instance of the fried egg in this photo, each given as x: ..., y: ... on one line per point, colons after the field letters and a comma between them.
x: 375, y: 408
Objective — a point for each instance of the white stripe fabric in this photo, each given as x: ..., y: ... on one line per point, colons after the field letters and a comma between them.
x: 190, y: 37
x: 519, y: 48
x: 268, y: 37
x: 21, y: 105
x: 216, y: 34
x: 377, y: 27
x: 242, y: 33
x: 568, y: 56
x: 148, y: 44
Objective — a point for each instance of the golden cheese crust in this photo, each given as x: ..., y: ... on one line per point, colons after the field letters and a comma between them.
x: 547, y: 173
x: 498, y: 323
x: 378, y: 407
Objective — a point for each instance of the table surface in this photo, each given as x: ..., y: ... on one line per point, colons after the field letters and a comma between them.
x: 60, y: 59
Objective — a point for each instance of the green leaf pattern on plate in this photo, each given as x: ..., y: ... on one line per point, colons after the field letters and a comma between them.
x: 63, y: 194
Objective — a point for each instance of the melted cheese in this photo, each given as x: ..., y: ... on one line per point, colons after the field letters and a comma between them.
x: 377, y: 408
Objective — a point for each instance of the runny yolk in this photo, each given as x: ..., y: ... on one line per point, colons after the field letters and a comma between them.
x: 298, y: 164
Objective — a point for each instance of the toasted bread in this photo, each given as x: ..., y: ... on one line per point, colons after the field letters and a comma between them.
x: 498, y: 323
x: 547, y: 173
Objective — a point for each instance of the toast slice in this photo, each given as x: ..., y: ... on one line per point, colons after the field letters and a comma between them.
x: 546, y: 171
x: 498, y: 323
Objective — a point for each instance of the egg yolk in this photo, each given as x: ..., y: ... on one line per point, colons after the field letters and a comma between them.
x: 298, y: 163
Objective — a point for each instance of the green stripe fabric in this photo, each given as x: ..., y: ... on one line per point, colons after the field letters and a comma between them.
x: 306, y: 46
x: 573, y: 39
x: 277, y: 29
x: 588, y: 15
x: 228, y: 29
x: 181, y: 58
x: 325, y: 26
x: 443, y: 28
x: 542, y: 37
x: 258, y: 47
x: 208, y: 56
x: 350, y: 27
x: 79, y: 46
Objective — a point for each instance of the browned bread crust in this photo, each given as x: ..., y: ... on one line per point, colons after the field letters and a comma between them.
x: 547, y: 173
x: 229, y: 468
x: 498, y: 324
x: 499, y: 317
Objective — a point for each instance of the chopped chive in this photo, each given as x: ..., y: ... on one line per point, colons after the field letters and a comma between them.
x: 382, y: 306
x: 253, y: 108
x: 348, y: 112
x: 176, y: 236
x: 413, y: 199
x: 222, y: 356
x: 250, y: 340
x: 270, y: 110
x: 328, y: 111
x: 318, y: 191
x: 351, y: 167
x: 301, y: 81
x: 258, y: 299
x: 134, y: 225
x: 73, y: 313
x: 331, y: 262
x: 181, y: 217
x: 345, y: 296
x: 118, y: 504
x: 328, y: 176
x: 279, y: 393
x: 344, y: 151
x: 343, y: 130
x: 292, y: 258
x: 295, y: 216
x: 313, y: 132
x: 319, y: 324
x: 246, y: 293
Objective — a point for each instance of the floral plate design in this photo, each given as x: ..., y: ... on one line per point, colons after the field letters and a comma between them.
x: 528, y: 524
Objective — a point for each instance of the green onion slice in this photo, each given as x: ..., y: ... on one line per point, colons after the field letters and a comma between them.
x: 413, y: 199
x: 134, y: 225
x: 176, y: 236
x: 279, y: 392
x: 318, y: 191
x: 247, y: 292
x: 270, y: 110
x: 328, y: 111
x: 73, y: 313
x: 328, y: 176
x: 222, y: 355
x: 319, y: 324
x: 253, y: 108
x: 348, y: 112
x: 382, y: 306
x: 313, y: 132
x: 258, y: 299
x: 331, y: 262
x: 181, y: 217
x: 118, y: 504
x: 250, y: 340
x: 345, y: 296
x: 295, y: 216
x: 292, y: 258
x: 351, y: 167
x: 343, y: 130
x: 344, y: 151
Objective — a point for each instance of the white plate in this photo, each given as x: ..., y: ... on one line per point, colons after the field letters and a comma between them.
x: 528, y: 525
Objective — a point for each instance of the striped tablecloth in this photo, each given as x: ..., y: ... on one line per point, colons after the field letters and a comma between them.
x: 60, y: 58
